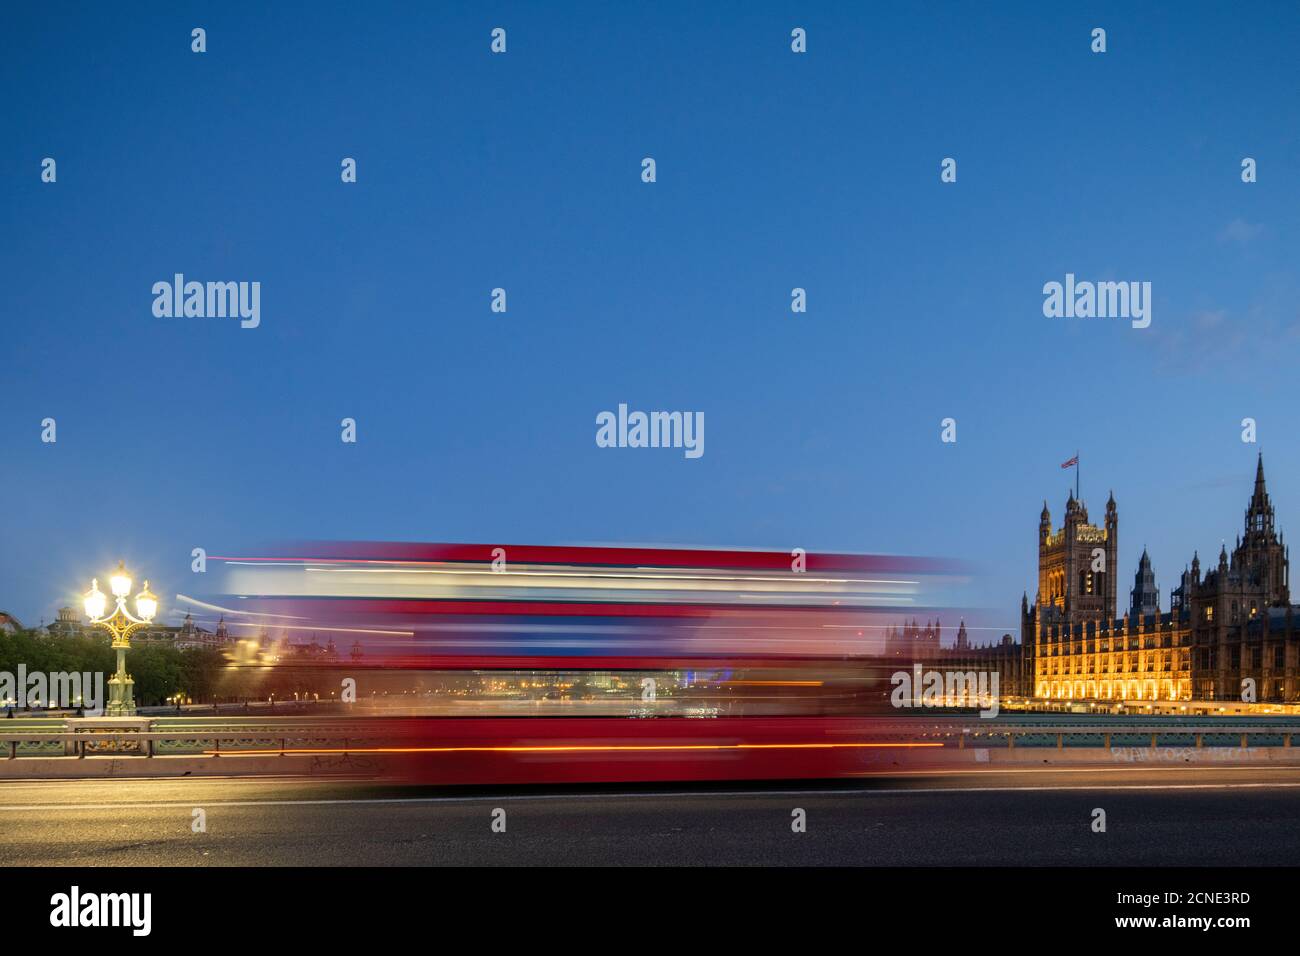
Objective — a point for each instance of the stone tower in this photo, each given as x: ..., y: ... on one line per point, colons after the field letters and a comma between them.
x: 1144, y: 599
x: 1260, y: 558
x: 1076, y: 580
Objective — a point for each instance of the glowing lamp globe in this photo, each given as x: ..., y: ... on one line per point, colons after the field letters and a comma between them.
x: 146, y: 603
x: 120, y: 581
x: 95, y: 602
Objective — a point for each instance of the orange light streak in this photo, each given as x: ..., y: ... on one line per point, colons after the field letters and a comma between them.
x: 563, y: 748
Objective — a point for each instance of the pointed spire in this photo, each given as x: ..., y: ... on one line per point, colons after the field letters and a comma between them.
x: 1259, y: 515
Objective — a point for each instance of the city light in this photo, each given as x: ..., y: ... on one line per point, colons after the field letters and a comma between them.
x: 121, y: 624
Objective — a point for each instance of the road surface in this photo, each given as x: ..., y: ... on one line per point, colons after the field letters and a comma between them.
x: 1154, y: 816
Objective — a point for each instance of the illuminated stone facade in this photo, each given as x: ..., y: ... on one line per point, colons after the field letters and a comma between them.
x: 1227, y: 634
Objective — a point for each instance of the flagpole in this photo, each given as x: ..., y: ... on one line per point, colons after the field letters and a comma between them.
x: 1076, y: 476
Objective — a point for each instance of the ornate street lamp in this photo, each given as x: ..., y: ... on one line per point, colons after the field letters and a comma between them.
x: 121, y: 624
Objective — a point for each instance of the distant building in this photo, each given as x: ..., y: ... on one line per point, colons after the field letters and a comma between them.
x: 1233, y: 626
x: 187, y: 634
x: 912, y: 641
x: 9, y: 624
x: 313, y: 651
x: 917, y: 644
x: 1227, y: 633
x: 67, y: 624
x: 191, y: 635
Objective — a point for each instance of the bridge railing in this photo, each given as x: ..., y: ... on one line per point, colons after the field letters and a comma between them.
x: 268, y: 740
x: 316, y: 737
x: 972, y: 733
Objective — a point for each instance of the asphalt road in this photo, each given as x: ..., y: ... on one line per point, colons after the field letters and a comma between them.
x: 1154, y: 816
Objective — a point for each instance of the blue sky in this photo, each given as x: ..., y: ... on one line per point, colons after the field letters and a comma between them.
x: 775, y: 170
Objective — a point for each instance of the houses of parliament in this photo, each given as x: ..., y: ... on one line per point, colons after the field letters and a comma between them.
x: 1228, y: 634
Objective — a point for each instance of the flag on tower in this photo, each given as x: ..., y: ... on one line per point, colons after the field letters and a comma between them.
x: 1071, y: 463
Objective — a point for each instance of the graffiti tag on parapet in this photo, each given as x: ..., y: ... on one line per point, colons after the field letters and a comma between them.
x: 344, y: 764
x: 1178, y: 754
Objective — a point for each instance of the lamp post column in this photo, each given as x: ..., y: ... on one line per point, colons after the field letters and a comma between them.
x: 121, y: 695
